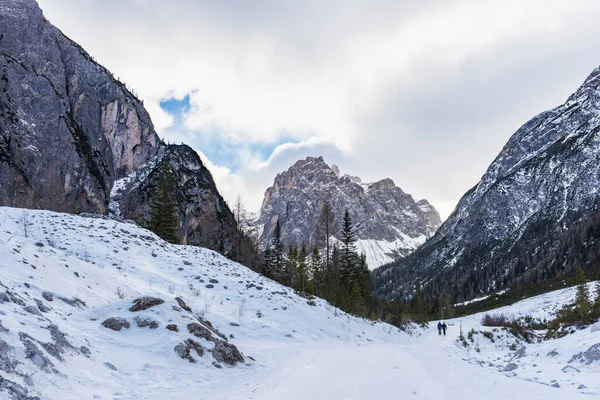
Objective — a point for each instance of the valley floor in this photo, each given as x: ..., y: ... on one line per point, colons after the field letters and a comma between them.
x: 430, y: 367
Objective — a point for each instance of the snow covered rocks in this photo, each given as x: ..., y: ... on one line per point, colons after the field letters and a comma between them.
x: 116, y: 324
x: 144, y: 303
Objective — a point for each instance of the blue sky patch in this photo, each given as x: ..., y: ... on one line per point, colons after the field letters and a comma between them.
x: 176, y: 107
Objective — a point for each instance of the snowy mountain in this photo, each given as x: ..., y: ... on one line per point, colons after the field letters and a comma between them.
x: 534, y: 215
x: 99, y: 309
x: 388, y: 222
x: 75, y: 139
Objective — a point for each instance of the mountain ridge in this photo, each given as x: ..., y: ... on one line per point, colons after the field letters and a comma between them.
x: 533, y: 215
x: 385, y: 218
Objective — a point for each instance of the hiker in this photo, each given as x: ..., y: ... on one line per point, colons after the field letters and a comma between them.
x: 439, y: 328
x: 444, y: 327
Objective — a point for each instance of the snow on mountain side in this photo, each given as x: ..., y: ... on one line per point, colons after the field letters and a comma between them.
x: 388, y: 222
x: 63, y: 277
x: 534, y: 215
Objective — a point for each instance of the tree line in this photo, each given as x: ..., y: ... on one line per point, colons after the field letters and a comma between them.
x: 335, y: 272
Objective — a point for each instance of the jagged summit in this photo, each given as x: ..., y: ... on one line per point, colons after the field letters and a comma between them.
x: 534, y: 214
x: 389, y: 223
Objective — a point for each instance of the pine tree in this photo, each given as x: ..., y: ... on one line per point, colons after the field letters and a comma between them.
x: 316, y: 273
x: 582, y: 298
x: 596, y: 306
x: 289, y: 268
x: 267, y: 265
x: 348, y: 256
x: 163, y: 219
x: 277, y: 254
x: 300, y: 277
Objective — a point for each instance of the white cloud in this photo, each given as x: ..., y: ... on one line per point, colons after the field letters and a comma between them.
x: 423, y: 92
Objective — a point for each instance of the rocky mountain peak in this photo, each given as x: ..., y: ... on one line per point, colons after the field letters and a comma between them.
x: 388, y: 222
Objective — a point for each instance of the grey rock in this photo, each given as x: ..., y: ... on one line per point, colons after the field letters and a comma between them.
x: 555, y: 384
x: 116, y: 324
x: 510, y: 367
x: 4, y: 298
x: 34, y: 354
x: 182, y: 304
x: 7, y: 361
x: 569, y: 368
x: 85, y: 351
x: 146, y: 322
x: 41, y: 306
x: 110, y: 365
x: 589, y: 356
x: 553, y: 353
x: 143, y: 303
x: 184, y: 350
x: 379, y: 211
x: 226, y: 353
x: 48, y: 296
x: 32, y: 310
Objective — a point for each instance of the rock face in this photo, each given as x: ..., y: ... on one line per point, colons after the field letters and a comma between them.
x: 387, y: 221
x: 69, y: 130
x: 534, y: 215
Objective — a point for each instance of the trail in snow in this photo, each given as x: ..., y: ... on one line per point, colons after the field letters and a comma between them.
x: 427, y: 369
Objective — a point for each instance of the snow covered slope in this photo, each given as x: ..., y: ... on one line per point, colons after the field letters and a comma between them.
x: 62, y: 276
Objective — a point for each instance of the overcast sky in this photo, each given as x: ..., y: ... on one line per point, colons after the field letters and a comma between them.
x: 423, y: 92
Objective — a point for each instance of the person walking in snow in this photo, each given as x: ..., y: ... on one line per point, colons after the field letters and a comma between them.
x: 444, y: 327
x: 439, y: 328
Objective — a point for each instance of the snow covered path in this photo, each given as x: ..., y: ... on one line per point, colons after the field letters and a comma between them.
x: 425, y: 369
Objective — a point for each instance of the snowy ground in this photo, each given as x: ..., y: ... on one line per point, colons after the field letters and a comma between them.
x: 54, y: 346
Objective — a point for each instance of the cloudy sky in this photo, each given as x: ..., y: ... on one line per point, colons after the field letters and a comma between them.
x: 423, y: 92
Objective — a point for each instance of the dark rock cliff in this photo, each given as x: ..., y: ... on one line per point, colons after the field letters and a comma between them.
x: 69, y: 130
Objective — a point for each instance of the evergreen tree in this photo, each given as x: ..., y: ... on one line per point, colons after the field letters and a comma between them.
x: 267, y: 266
x: 348, y: 256
x: 300, y: 277
x: 596, y: 305
x: 289, y: 269
x: 277, y: 254
x: 316, y: 273
x: 357, y: 301
x: 582, y: 298
x: 163, y: 219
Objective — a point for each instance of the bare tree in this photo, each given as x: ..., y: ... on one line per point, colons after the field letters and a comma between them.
x: 24, y: 220
x: 242, y: 224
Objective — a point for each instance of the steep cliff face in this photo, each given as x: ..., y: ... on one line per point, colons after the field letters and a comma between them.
x: 388, y: 222
x: 533, y: 215
x: 69, y: 130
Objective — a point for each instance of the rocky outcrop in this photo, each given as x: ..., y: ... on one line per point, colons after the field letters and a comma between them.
x: 68, y: 128
x: 70, y: 132
x: 388, y: 222
x: 205, y: 219
x: 535, y: 213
